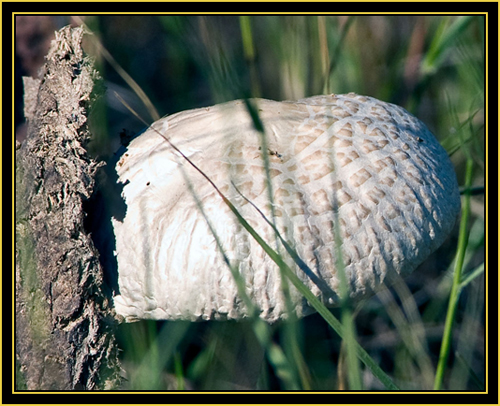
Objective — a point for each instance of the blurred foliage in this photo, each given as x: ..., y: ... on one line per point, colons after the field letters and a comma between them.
x: 432, y: 65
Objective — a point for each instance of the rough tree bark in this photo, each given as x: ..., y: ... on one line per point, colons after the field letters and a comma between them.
x: 64, y: 321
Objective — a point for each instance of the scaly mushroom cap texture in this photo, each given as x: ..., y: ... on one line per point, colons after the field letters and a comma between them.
x: 343, y: 168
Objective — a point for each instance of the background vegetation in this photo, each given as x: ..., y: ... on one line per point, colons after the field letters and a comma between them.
x: 434, y: 66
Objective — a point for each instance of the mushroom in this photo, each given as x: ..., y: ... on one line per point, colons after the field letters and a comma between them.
x: 351, y: 161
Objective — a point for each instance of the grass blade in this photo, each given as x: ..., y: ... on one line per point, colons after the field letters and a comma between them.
x: 442, y: 42
x: 457, y: 277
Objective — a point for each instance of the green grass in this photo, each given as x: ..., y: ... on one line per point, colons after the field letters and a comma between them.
x: 431, y: 65
x: 457, y: 282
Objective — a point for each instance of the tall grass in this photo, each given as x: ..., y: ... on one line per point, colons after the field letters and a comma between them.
x: 433, y: 66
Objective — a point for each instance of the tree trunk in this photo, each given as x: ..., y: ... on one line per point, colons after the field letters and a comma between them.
x: 64, y: 321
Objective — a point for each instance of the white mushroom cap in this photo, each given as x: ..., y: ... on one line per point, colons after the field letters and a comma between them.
x: 369, y: 165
